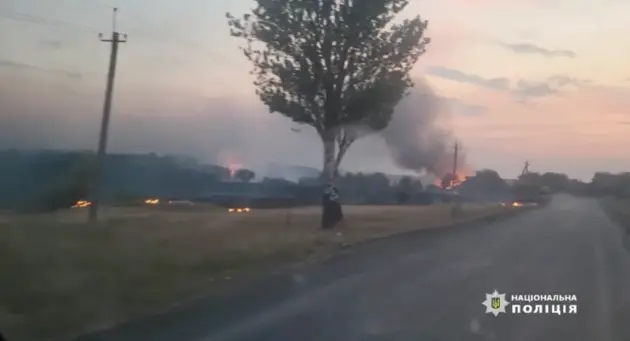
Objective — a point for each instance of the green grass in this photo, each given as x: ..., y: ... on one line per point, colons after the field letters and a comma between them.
x: 60, y: 276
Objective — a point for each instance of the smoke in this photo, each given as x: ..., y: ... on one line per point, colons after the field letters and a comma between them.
x: 419, y: 137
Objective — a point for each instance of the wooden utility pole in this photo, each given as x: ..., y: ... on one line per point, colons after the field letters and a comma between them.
x: 455, y: 155
x: 95, y: 194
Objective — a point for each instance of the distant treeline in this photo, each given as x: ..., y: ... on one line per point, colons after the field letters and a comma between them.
x: 375, y: 189
x: 602, y: 183
x: 49, y: 180
x: 45, y: 180
x: 42, y: 180
x: 605, y: 184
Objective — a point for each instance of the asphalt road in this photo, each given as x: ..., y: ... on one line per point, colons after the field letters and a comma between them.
x: 430, y: 286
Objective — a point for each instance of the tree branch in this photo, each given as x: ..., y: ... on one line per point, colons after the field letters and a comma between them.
x: 345, y: 138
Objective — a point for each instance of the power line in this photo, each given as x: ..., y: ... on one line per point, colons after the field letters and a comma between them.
x: 167, y: 36
x: 38, y: 20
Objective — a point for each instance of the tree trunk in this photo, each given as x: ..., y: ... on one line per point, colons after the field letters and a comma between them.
x: 331, y: 206
x: 329, y: 156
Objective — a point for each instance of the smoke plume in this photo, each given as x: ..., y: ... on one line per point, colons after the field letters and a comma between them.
x: 419, y: 137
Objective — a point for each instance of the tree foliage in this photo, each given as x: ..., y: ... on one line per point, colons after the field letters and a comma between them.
x: 402, y: 197
x: 244, y: 175
x: 604, y: 183
x: 487, y: 184
x: 532, y: 178
x: 557, y: 182
x: 331, y: 64
x: 405, y: 188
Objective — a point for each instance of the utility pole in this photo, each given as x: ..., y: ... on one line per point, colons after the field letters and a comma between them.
x: 95, y: 194
x: 455, y: 155
x: 525, y: 168
x: 457, y: 208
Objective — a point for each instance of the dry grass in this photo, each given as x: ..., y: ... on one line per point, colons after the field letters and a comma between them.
x: 620, y: 210
x: 60, y: 276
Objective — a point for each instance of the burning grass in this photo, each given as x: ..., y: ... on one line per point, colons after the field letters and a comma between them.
x: 61, y: 276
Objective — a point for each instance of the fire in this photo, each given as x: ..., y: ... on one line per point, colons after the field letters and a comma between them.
x: 230, y: 160
x: 233, y: 167
x: 459, y: 178
x: 82, y: 204
x: 239, y: 210
x: 152, y: 201
x: 517, y: 204
x: 453, y: 182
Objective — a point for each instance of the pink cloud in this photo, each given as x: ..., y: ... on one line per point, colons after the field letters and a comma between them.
x: 585, y: 124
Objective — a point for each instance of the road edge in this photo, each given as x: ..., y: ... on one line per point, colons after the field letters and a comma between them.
x: 443, y: 228
x: 618, y: 218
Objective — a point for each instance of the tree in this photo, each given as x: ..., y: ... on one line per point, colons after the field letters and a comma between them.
x: 557, y: 182
x: 416, y: 185
x: 220, y: 172
x: 490, y: 181
x: 604, y: 183
x: 340, y: 66
x: 245, y: 175
x: 405, y: 182
x: 402, y: 197
x: 404, y: 189
x: 578, y: 187
x: 276, y: 182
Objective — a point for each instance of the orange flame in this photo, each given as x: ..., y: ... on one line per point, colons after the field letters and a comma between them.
x: 239, y: 210
x: 82, y: 204
x: 459, y: 178
x: 230, y: 160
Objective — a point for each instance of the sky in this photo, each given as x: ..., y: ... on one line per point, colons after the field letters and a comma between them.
x: 541, y: 80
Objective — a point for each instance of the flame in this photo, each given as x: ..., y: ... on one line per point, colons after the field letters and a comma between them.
x: 460, y: 177
x: 233, y: 167
x: 231, y: 161
x: 239, y: 210
x: 517, y: 204
x: 152, y: 201
x: 82, y: 204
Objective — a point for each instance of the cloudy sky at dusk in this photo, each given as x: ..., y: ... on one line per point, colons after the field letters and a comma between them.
x: 547, y: 81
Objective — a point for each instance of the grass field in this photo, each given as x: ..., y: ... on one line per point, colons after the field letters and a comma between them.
x: 619, y: 209
x: 60, y: 276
